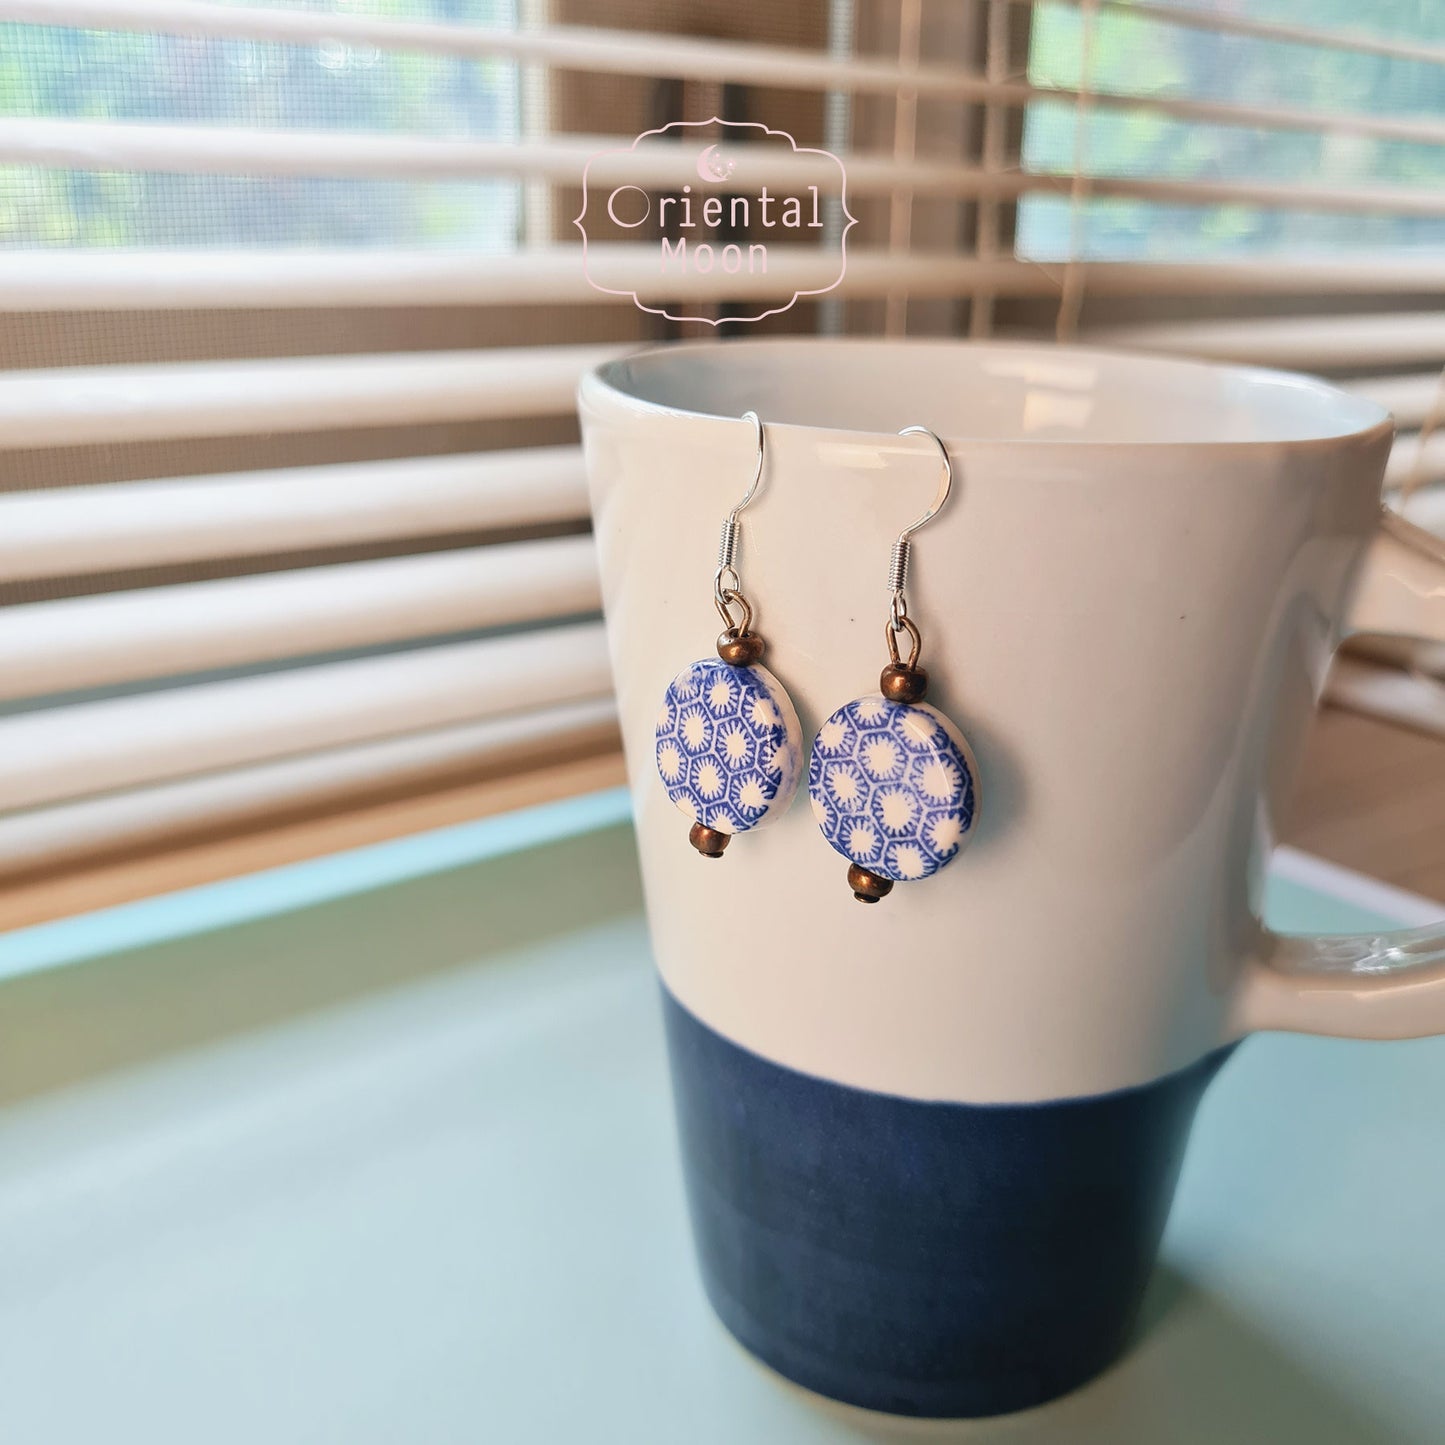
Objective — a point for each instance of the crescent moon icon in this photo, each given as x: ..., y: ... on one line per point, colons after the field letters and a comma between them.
x: 711, y: 166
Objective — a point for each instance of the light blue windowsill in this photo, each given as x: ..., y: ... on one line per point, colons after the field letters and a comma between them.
x: 300, y: 885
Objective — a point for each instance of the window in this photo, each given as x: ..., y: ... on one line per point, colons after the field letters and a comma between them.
x: 148, y: 99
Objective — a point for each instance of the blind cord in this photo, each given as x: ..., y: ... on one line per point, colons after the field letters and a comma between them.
x: 1071, y: 301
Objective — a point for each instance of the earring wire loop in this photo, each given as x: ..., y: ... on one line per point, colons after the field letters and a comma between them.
x: 944, y: 489
x: 752, y: 490
x: 726, y: 583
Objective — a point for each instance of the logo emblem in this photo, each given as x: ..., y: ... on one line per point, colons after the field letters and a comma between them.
x: 744, y: 218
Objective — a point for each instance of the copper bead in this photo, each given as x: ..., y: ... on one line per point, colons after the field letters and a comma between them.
x: 739, y: 649
x: 899, y: 682
x: 709, y: 842
x: 868, y: 887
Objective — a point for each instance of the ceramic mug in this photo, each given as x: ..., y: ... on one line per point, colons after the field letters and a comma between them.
x: 930, y: 1144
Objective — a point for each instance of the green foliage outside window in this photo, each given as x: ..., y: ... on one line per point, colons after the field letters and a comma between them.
x: 95, y: 76
x: 1139, y: 55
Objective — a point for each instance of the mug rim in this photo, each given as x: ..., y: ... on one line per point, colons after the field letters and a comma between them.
x: 604, y: 380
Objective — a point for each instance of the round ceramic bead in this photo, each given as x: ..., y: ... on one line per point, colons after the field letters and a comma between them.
x: 893, y: 787
x: 729, y: 745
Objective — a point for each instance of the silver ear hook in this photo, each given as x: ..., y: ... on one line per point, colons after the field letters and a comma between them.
x: 943, y: 491
x: 898, y: 557
x: 752, y: 490
x: 726, y: 584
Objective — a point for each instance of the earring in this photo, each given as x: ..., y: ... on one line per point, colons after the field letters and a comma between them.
x: 893, y: 783
x: 729, y: 745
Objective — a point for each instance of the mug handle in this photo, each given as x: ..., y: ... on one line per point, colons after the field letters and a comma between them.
x: 1364, y: 985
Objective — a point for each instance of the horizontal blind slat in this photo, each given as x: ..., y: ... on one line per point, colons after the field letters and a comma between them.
x: 237, y: 151
x: 162, y: 280
x: 1387, y: 692
x: 1409, y: 457
x: 1424, y: 130
x: 1408, y: 398
x: 1230, y: 22
x: 61, y: 753
x: 1425, y: 506
x: 79, y: 405
x: 614, y: 160
x: 67, y: 531
x: 48, y: 837
x: 1330, y: 342
x: 87, y: 642
x: 1270, y: 195
x: 186, y: 280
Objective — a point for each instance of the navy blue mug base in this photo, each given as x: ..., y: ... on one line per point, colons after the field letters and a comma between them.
x: 921, y: 1258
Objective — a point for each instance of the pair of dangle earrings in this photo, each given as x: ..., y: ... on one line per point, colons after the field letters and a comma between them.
x: 892, y: 781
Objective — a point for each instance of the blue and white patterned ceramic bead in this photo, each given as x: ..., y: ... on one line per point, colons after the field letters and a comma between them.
x: 729, y: 745
x: 894, y: 787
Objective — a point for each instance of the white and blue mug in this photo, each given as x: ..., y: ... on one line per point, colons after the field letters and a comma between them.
x: 930, y: 1146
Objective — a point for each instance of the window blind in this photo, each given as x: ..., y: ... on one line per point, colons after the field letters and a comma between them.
x: 293, y: 534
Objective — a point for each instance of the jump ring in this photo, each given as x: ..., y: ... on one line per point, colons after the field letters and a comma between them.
x: 725, y: 580
x: 891, y: 630
x: 724, y: 601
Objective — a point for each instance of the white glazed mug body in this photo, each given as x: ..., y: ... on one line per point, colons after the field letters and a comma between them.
x: 1128, y: 606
